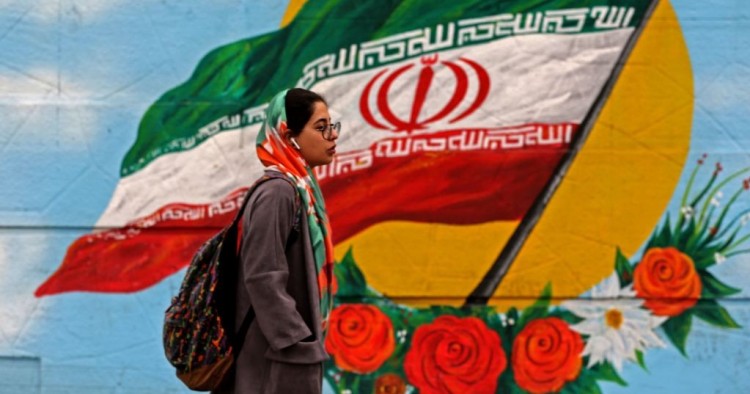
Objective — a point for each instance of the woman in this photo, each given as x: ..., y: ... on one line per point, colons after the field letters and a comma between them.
x: 286, y: 254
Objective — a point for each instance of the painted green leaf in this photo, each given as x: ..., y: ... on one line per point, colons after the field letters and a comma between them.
x: 442, y: 310
x: 695, y: 239
x: 640, y: 360
x: 514, y: 389
x: 624, y: 268
x: 585, y: 384
x: 714, y: 288
x: 513, y: 316
x: 730, y: 240
x: 711, y: 312
x: 704, y: 258
x: 665, y: 236
x: 650, y: 242
x: 677, y: 329
x: 605, y: 371
x: 566, y: 315
x: 417, y: 317
x: 350, y: 279
x: 539, y: 308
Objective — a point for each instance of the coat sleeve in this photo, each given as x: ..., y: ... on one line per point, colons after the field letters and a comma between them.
x: 267, y: 225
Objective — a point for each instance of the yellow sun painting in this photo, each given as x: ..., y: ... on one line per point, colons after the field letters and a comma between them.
x: 612, y: 196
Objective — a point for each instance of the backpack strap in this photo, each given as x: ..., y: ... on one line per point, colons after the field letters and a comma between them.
x: 235, y: 231
x: 235, y: 228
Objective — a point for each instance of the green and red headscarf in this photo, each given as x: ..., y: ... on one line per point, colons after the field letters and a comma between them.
x: 276, y: 154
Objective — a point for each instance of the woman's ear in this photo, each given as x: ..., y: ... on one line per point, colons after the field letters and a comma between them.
x: 285, y: 132
x: 287, y: 135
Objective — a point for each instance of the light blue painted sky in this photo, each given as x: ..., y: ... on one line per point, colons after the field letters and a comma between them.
x: 77, y: 75
x: 75, y: 78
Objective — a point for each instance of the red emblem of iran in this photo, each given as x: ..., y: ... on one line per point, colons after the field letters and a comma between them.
x: 460, y: 104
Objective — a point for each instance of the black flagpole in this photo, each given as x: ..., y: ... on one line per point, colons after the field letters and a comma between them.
x: 489, y: 284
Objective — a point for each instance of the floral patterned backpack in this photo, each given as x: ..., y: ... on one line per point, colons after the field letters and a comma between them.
x: 198, y: 325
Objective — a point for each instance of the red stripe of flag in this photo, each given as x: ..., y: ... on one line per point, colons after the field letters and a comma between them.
x: 450, y: 186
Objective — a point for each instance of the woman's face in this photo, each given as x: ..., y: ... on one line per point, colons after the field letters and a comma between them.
x: 315, y: 149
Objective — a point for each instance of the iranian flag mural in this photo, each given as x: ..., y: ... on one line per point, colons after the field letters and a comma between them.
x: 453, y: 112
x: 514, y: 203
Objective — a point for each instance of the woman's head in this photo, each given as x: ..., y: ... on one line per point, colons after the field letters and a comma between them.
x: 309, y: 127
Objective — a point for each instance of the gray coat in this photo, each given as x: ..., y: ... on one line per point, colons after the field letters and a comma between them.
x: 283, y: 349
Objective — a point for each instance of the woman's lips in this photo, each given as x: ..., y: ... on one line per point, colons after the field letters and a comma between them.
x: 332, y: 150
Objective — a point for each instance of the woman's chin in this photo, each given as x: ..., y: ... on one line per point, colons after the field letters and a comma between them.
x: 321, y: 162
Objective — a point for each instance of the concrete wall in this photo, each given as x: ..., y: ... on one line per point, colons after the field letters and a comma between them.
x: 598, y: 288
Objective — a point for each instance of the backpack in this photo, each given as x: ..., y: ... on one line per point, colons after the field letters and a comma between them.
x: 198, y: 333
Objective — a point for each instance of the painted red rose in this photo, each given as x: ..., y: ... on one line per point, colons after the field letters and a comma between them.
x: 360, y: 337
x: 546, y: 355
x: 390, y: 383
x: 455, y: 355
x: 667, y: 280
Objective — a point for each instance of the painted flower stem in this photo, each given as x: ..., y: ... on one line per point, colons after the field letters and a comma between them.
x: 732, y: 223
x: 690, y: 184
x: 685, y: 195
x: 737, y: 243
x: 716, y: 190
x: 736, y: 252
x: 705, y: 190
x: 717, y: 225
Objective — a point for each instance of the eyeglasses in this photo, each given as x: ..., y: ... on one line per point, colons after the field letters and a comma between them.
x: 327, y: 130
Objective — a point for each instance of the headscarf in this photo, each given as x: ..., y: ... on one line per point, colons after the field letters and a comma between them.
x: 276, y: 154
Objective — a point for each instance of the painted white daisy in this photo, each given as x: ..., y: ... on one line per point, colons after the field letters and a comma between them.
x: 615, y: 323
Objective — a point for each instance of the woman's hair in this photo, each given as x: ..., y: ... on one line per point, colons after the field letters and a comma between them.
x: 299, y: 105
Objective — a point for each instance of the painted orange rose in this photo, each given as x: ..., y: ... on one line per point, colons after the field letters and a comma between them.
x: 546, y: 355
x: 390, y: 383
x: 667, y: 280
x: 360, y: 337
x: 455, y: 355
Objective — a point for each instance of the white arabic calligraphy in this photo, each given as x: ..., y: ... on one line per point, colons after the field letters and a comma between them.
x: 557, y: 135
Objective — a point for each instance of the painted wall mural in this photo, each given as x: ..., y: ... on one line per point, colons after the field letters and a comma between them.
x: 545, y: 196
